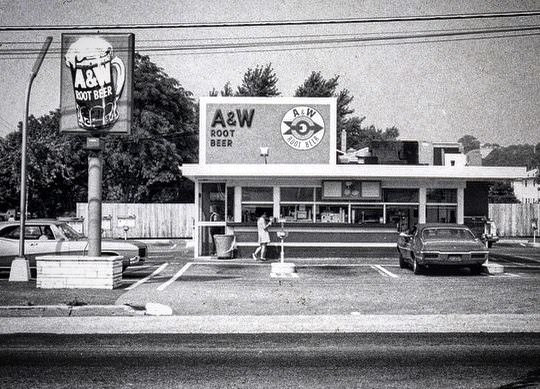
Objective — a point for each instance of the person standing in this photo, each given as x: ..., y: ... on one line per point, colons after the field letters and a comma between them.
x: 263, y: 237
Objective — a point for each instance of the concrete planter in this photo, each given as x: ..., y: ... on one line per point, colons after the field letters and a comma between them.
x: 78, y: 272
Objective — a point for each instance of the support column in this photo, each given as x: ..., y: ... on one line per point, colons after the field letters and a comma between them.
x: 277, y: 200
x: 237, y: 204
x: 95, y: 162
x: 460, y: 205
x: 422, y: 206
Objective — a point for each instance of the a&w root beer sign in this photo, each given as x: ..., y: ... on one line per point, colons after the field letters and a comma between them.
x: 295, y: 130
x: 96, y: 83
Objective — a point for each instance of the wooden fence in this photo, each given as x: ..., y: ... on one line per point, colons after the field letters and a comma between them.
x: 514, y: 219
x: 143, y: 220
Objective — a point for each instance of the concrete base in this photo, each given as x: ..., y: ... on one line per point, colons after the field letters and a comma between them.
x: 283, y: 268
x: 20, y: 270
x: 493, y: 268
x: 77, y: 272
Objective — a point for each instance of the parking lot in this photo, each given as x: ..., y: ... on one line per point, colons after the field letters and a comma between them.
x: 373, y: 285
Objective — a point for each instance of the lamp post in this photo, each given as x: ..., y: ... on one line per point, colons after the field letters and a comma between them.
x: 20, y: 269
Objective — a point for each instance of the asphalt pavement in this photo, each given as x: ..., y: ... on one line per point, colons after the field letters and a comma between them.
x: 172, y: 293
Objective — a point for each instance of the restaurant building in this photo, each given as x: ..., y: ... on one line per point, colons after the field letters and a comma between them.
x: 280, y: 156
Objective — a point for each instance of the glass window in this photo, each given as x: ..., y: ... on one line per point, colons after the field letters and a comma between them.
x: 212, y: 202
x: 207, y: 245
x: 447, y: 233
x: 332, y: 213
x: 403, y: 195
x: 403, y: 217
x: 297, y: 212
x: 251, y: 212
x: 257, y: 194
x: 441, y: 214
x: 361, y: 214
x: 230, y: 204
x: 296, y: 194
x: 441, y: 195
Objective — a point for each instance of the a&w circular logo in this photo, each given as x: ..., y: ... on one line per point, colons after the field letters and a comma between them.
x: 302, y: 128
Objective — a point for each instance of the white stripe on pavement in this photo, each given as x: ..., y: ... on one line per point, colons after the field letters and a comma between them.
x: 157, y: 271
x: 175, y: 277
x: 383, y: 271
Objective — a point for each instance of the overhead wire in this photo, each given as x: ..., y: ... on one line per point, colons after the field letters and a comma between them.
x: 275, y: 23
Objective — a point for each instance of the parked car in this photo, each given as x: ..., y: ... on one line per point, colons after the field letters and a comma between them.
x: 483, y: 228
x: 45, y: 237
x: 440, y: 244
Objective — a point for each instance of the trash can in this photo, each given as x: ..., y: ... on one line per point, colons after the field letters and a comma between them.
x: 224, y: 246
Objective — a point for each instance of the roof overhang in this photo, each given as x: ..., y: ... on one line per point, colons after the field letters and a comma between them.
x: 374, y: 172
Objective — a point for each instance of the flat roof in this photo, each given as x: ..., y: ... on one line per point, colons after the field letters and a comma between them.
x: 357, y: 171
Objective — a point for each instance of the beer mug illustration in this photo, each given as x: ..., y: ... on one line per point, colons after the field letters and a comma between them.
x: 98, y: 80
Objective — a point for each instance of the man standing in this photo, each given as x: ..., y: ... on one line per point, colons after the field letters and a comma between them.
x: 263, y: 237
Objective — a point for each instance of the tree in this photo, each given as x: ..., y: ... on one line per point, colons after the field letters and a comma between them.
x: 359, y: 136
x: 260, y: 81
x: 514, y: 155
x: 316, y: 86
x: 144, y: 166
x: 226, y: 91
x: 469, y: 143
x: 502, y: 192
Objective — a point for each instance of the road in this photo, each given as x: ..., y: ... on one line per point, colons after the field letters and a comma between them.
x: 271, y: 361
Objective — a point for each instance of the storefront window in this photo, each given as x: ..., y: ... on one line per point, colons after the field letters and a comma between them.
x: 251, y: 212
x: 361, y: 214
x: 332, y: 213
x: 212, y: 202
x: 441, y: 213
x: 297, y: 213
x: 402, y: 195
x: 230, y: 203
x: 296, y: 194
x: 403, y: 217
x: 441, y: 196
x: 257, y: 194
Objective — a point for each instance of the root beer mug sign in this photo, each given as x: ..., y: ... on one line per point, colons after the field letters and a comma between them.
x: 96, y: 79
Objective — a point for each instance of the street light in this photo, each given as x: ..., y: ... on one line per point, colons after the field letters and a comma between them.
x: 20, y: 269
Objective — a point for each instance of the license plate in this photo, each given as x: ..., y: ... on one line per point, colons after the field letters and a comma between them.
x: 454, y: 257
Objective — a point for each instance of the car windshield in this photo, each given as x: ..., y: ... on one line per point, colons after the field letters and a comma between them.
x: 69, y: 232
x: 447, y: 234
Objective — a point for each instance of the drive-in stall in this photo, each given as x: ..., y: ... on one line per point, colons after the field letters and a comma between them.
x: 279, y: 156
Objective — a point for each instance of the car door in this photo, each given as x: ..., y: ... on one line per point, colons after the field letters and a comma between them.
x: 407, y: 243
x: 40, y: 240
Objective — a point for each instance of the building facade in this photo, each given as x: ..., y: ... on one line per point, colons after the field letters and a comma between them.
x: 527, y: 189
x: 279, y: 156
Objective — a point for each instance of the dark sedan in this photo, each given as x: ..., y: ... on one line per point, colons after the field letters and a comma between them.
x: 440, y: 244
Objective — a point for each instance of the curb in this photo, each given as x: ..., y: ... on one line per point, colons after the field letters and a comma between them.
x: 62, y: 310
x: 251, y: 324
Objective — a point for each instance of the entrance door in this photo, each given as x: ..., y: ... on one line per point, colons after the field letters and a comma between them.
x: 212, y: 212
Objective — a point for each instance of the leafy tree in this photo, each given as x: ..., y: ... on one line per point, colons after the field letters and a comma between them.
x: 260, y: 81
x: 144, y: 166
x: 359, y: 136
x: 226, y: 91
x: 502, y: 192
x: 469, y: 143
x: 514, y: 155
x: 316, y: 86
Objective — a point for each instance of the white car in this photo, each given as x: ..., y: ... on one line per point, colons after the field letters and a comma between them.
x: 45, y: 237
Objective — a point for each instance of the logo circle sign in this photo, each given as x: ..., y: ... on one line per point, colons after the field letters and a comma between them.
x: 302, y: 128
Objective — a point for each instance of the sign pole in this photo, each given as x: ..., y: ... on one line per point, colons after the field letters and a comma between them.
x: 95, y: 169
x: 20, y: 268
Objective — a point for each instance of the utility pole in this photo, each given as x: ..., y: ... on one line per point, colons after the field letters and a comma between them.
x: 20, y: 268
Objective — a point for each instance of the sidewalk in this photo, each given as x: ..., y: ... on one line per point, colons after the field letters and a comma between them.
x: 274, y: 324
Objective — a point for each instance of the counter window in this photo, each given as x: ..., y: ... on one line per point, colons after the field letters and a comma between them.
x: 441, y: 196
x: 297, y: 213
x: 257, y: 194
x: 403, y: 195
x: 332, y: 213
x: 296, y: 194
x: 441, y: 213
x: 367, y: 214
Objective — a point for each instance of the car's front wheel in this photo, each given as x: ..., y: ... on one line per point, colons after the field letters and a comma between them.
x: 402, y: 263
x: 417, y: 268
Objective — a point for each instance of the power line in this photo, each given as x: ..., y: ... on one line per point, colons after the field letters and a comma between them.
x: 301, y: 42
x: 275, y: 23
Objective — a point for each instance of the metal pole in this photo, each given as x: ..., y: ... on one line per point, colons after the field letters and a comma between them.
x: 20, y: 270
x: 95, y: 163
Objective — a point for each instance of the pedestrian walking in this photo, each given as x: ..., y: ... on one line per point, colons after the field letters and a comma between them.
x: 263, y: 236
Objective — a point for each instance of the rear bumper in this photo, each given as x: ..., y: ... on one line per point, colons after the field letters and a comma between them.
x: 452, y: 259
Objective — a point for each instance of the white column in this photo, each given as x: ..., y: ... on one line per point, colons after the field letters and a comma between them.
x: 237, y: 204
x: 422, y: 206
x: 197, y: 217
x: 460, y: 205
x: 277, y: 200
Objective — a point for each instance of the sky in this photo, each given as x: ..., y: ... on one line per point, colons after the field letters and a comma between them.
x: 434, y: 91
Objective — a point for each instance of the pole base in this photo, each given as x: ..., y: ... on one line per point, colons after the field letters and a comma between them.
x: 20, y: 270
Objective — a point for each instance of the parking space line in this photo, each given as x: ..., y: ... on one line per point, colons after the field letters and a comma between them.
x: 383, y: 271
x: 175, y: 277
x: 156, y: 272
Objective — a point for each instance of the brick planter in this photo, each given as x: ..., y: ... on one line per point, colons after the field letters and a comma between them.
x: 74, y: 272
